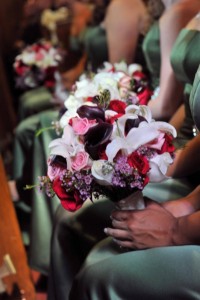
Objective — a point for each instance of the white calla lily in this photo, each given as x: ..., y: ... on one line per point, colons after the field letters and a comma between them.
x: 158, y: 167
x: 134, y: 139
x: 164, y: 127
x: 67, y: 146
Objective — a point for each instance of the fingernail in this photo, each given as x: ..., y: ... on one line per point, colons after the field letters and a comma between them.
x: 105, y: 230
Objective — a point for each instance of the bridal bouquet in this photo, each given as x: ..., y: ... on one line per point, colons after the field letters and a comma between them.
x: 36, y: 65
x: 108, y: 148
x: 110, y: 145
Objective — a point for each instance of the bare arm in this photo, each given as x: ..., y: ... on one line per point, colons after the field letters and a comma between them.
x: 178, y: 117
x: 123, y: 23
x: 170, y: 96
x: 187, y: 160
x: 184, y: 206
x: 171, y: 91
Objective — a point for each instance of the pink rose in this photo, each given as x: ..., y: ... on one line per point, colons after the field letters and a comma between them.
x: 54, y: 170
x: 80, y: 161
x: 82, y: 125
x: 157, y: 143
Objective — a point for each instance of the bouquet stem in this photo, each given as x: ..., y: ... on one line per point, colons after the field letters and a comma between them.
x: 132, y: 202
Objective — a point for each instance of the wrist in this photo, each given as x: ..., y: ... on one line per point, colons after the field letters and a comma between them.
x: 180, y: 236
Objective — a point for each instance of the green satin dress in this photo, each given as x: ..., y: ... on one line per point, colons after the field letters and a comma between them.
x: 34, y: 101
x: 195, y: 101
x: 151, y: 50
x: 185, y: 70
x: 185, y: 62
x: 35, y: 210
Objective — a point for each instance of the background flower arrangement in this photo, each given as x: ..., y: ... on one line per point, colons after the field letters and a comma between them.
x: 110, y: 145
x: 36, y: 65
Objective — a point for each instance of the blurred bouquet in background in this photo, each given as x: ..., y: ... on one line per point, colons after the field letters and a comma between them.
x: 36, y: 65
x: 110, y: 145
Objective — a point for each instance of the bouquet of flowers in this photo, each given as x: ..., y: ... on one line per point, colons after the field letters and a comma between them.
x: 133, y: 82
x: 36, y: 65
x: 129, y: 84
x: 109, y: 147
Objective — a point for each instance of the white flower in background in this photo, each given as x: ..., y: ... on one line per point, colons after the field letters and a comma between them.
x: 121, y: 67
x: 140, y: 110
x: 100, y: 82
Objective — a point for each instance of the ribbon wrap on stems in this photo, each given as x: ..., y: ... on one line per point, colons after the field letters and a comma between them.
x: 131, y: 202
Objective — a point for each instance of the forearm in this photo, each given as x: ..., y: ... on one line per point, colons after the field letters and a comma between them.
x: 188, y: 230
x: 170, y: 96
x: 184, y: 206
x: 187, y: 160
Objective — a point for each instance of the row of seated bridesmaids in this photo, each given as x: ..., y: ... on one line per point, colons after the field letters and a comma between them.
x: 26, y: 146
x: 96, y: 273
x: 168, y: 53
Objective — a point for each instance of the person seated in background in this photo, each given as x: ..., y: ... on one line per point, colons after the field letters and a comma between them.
x: 26, y: 167
x: 113, y: 40
x: 163, y: 107
x: 155, y: 251
x: 85, y: 227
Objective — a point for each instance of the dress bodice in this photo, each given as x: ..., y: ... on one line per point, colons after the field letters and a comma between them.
x: 185, y: 59
x: 194, y: 99
x: 151, y: 50
x: 185, y: 56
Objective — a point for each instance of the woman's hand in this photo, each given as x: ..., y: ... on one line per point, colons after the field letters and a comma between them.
x: 140, y: 229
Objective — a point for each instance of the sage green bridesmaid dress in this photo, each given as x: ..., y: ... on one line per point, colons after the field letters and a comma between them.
x: 34, y: 101
x: 152, y: 274
x: 151, y: 50
x: 185, y: 61
x: 35, y: 210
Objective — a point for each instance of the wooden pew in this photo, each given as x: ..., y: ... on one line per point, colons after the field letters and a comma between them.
x: 11, y: 244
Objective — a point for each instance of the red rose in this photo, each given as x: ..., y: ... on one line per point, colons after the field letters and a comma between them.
x: 167, y: 145
x: 70, y: 201
x: 138, y: 75
x: 144, y: 96
x: 111, y: 120
x: 139, y: 162
x: 89, y: 99
x: 118, y: 106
